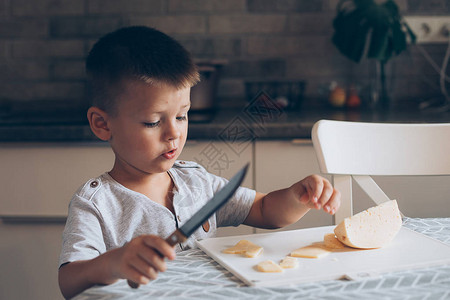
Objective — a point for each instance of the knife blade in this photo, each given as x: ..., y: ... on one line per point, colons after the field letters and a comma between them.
x: 220, y: 198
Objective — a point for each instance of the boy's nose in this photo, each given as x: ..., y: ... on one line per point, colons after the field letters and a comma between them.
x: 173, y: 131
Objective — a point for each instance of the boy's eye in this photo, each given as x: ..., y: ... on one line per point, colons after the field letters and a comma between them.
x: 151, y: 124
x: 182, y: 118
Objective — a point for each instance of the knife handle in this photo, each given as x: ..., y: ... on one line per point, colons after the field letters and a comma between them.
x: 173, y: 239
x: 176, y: 237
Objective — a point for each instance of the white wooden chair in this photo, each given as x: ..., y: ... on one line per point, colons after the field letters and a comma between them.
x: 358, y: 150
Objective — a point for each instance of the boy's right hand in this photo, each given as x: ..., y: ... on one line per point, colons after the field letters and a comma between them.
x: 142, y: 258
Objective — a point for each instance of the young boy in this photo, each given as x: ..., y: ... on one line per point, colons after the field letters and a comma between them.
x: 117, y: 222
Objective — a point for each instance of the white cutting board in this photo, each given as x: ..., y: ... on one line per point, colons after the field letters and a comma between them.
x: 408, y: 250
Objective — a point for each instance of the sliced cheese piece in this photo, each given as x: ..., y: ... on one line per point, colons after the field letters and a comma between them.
x: 372, y: 228
x: 289, y: 262
x: 268, y: 266
x: 244, y: 247
x: 330, y: 241
x: 310, y: 252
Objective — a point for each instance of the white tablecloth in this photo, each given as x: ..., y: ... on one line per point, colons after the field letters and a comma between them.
x: 194, y: 275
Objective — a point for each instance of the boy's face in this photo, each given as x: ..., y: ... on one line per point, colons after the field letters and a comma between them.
x: 149, y: 130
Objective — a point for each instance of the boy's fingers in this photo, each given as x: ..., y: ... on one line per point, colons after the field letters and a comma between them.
x: 160, y: 245
x: 333, y: 204
x: 313, y: 185
x: 316, y: 186
x: 137, y: 277
x: 153, y: 259
x: 305, y: 198
x: 144, y: 268
x: 327, y: 192
x: 138, y: 271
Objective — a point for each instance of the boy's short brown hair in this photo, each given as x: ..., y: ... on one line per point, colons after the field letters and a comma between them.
x: 136, y: 53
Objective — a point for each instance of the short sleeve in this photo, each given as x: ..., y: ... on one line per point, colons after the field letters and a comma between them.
x: 82, y: 236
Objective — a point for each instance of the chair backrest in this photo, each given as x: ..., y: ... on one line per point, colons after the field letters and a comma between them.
x: 346, y: 149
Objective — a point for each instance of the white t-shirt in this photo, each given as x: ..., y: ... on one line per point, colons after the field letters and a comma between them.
x: 103, y: 214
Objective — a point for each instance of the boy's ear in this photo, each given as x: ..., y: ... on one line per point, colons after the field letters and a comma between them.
x: 98, y: 120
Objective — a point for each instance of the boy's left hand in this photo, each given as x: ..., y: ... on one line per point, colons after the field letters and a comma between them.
x: 317, y: 192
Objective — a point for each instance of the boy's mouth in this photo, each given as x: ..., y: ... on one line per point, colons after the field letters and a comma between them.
x: 170, y: 154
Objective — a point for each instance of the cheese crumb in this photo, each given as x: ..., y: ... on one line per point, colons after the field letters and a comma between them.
x: 244, y: 247
x: 268, y: 266
x: 330, y: 241
x: 310, y: 252
x: 289, y: 263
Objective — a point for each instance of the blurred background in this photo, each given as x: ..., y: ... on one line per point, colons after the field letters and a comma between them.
x: 43, y: 44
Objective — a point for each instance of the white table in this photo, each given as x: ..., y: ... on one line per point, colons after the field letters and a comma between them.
x: 194, y: 275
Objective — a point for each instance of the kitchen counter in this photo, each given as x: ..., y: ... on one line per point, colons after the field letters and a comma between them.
x: 255, y: 122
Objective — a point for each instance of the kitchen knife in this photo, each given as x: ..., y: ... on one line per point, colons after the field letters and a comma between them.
x: 220, y: 198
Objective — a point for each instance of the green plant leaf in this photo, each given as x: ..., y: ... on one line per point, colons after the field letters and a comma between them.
x: 398, y: 38
x: 362, y: 25
x: 378, y: 42
x: 411, y: 34
x: 348, y: 38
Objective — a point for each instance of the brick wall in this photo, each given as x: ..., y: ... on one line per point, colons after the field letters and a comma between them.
x: 43, y: 44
